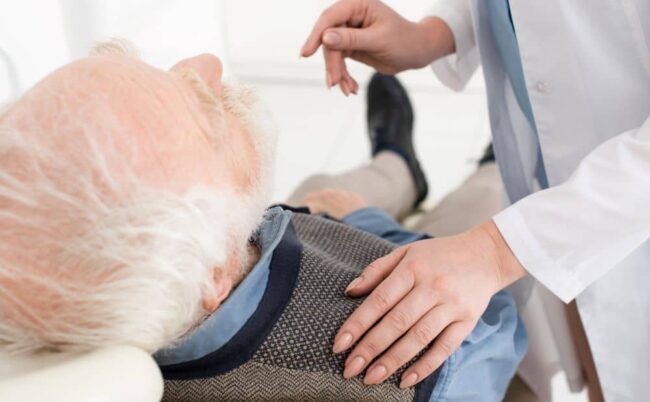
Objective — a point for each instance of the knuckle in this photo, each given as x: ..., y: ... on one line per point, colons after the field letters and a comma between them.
x: 380, y: 300
x: 391, y: 361
x: 445, y: 348
x: 405, y: 276
x: 399, y: 320
x: 464, y: 309
x: 442, y: 283
x: 354, y: 327
x: 423, y: 335
x: 351, y: 39
x: 414, y: 266
x: 458, y: 302
x: 426, y: 366
x: 370, y: 348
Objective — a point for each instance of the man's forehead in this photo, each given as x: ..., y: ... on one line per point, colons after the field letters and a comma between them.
x: 97, y: 81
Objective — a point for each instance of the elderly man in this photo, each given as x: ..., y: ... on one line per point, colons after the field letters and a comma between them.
x: 133, y: 210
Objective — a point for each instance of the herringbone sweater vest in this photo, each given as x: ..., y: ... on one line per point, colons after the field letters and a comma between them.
x: 284, y: 351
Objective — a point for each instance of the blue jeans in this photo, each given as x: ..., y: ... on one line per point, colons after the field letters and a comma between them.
x: 481, y: 369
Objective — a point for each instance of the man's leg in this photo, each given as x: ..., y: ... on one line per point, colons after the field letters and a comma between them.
x: 384, y: 183
x: 479, y: 198
x: 393, y: 181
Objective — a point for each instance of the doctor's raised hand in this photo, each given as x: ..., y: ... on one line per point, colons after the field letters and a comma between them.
x: 372, y: 33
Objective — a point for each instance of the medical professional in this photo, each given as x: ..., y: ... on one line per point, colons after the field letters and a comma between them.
x: 568, y: 85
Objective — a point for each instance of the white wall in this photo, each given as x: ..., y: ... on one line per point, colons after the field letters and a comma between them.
x: 39, y: 36
x: 256, y: 38
x: 31, y: 35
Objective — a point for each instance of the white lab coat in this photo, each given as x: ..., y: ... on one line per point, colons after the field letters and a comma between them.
x: 587, y: 68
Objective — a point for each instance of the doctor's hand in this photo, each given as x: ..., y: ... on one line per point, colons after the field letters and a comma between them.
x: 372, y: 33
x: 429, y: 291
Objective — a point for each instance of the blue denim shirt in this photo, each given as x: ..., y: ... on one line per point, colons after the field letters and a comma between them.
x: 479, y: 370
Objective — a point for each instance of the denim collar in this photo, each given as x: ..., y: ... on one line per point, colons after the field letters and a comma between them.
x: 237, y: 309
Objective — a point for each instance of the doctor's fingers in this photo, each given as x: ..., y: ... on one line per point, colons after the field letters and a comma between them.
x: 396, y: 323
x: 353, y: 39
x: 337, y: 72
x: 445, y: 344
x: 382, y: 300
x: 376, y: 272
x: 417, y: 339
x: 351, y: 82
x: 340, y: 13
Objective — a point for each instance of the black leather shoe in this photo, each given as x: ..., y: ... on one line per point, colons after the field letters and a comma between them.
x: 390, y: 126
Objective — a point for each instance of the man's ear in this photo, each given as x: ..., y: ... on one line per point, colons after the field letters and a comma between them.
x: 222, y: 285
x: 207, y: 66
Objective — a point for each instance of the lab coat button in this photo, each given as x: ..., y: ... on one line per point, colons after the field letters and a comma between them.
x: 542, y: 87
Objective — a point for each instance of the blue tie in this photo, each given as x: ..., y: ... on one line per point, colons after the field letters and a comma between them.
x: 506, y: 42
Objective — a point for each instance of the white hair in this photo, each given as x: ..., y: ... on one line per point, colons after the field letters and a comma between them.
x: 118, y: 46
x: 91, y: 257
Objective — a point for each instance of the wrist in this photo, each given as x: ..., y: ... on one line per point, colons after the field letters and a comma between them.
x: 508, y: 269
x: 436, y: 40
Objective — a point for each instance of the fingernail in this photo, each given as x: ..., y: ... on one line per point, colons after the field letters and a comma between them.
x: 354, y: 367
x: 343, y: 343
x: 354, y: 284
x: 409, y: 381
x: 329, y: 81
x: 375, y: 374
x: 331, y: 39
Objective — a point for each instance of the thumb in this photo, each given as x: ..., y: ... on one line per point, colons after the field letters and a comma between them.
x: 361, y: 39
x: 375, y: 273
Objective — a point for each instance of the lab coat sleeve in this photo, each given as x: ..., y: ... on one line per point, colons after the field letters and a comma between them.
x: 455, y: 70
x: 570, y: 235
